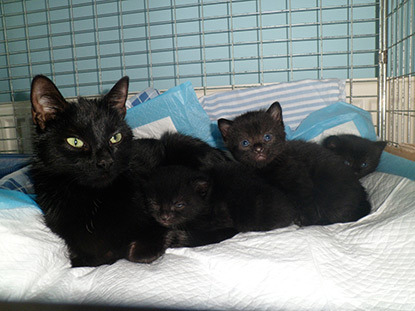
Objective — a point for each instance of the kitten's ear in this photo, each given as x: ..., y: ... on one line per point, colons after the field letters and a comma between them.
x: 224, y: 126
x: 201, y: 186
x: 381, y: 144
x: 276, y: 112
x: 117, y: 96
x: 46, y: 100
x: 331, y: 142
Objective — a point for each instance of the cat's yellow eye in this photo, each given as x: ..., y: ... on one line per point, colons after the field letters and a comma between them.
x: 75, y: 142
x: 116, y: 138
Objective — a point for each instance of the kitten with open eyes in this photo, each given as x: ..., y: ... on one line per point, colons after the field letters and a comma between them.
x: 177, y: 198
x: 361, y: 154
x: 207, y: 207
x: 324, y: 190
x: 85, y: 179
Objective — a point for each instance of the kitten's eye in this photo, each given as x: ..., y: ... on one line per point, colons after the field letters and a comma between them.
x: 245, y: 143
x: 75, y: 142
x: 363, y: 165
x: 179, y: 205
x: 116, y: 138
x: 267, y: 137
x: 347, y: 163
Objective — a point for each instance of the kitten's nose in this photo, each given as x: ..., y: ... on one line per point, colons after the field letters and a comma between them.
x: 165, y: 217
x: 258, y: 148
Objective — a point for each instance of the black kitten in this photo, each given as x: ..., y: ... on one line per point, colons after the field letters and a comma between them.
x: 177, y: 198
x: 324, y: 189
x: 175, y: 149
x: 180, y: 149
x: 361, y: 154
x: 84, y: 180
x: 252, y: 203
x: 207, y: 206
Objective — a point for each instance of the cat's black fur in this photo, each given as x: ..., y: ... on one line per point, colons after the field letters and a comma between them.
x: 175, y: 149
x: 252, y: 203
x: 89, y: 193
x: 216, y: 204
x: 361, y: 154
x: 324, y: 189
x: 178, y: 198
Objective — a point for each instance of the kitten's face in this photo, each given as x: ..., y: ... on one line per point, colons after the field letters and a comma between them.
x: 360, y: 154
x: 174, y: 196
x: 255, y: 138
x: 88, y: 141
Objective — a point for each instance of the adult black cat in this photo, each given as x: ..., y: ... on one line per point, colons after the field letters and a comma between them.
x: 324, y: 189
x: 84, y: 177
x: 361, y: 154
x: 201, y: 207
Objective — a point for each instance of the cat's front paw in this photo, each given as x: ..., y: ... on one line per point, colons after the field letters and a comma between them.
x: 139, y: 252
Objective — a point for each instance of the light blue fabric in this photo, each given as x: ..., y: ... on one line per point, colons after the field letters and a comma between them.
x: 15, y: 199
x: 393, y: 164
x: 321, y: 120
x: 181, y: 105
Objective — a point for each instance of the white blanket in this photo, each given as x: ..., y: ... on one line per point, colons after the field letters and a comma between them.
x: 366, y: 265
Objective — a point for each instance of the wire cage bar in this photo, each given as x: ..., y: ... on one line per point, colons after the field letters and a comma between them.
x: 398, y: 94
x: 86, y: 46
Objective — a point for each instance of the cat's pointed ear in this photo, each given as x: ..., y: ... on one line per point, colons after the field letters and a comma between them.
x: 381, y: 144
x: 331, y: 142
x: 117, y: 96
x: 224, y: 126
x: 275, y: 111
x: 201, y: 186
x: 46, y: 100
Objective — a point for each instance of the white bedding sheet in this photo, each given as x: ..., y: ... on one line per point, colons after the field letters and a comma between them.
x: 366, y: 265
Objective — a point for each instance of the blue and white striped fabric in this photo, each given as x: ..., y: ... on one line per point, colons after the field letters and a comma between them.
x: 141, y: 97
x: 19, y: 180
x: 298, y: 99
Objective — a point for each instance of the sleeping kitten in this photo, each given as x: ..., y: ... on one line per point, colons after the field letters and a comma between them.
x: 324, y: 189
x: 84, y: 178
x: 212, y: 206
x: 175, y: 149
x: 180, y: 149
x: 361, y: 154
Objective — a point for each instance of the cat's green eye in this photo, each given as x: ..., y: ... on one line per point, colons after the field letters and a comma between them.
x: 75, y: 142
x: 116, y: 138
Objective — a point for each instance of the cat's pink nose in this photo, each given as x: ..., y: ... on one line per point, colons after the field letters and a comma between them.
x: 258, y: 148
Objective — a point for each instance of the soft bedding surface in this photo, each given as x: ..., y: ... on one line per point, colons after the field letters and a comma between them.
x: 366, y: 265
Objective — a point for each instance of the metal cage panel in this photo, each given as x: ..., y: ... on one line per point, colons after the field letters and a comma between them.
x: 399, y: 73
x: 86, y: 46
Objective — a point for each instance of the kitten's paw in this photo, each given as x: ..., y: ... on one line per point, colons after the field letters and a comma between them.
x: 93, y: 261
x: 138, y: 252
